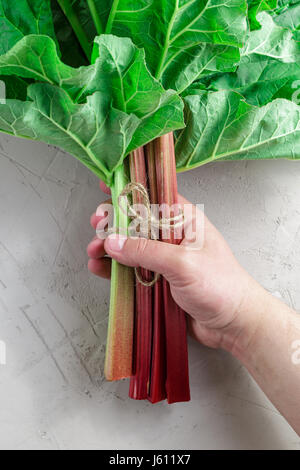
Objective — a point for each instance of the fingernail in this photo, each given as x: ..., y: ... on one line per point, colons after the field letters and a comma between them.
x: 116, y: 242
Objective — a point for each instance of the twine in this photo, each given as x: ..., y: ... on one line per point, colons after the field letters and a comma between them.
x: 160, y: 224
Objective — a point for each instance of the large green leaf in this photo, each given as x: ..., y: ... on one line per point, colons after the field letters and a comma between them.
x: 12, y: 119
x: 272, y: 41
x: 15, y: 87
x: 119, y: 72
x: 260, y: 80
x: 17, y: 19
x: 269, y: 66
x: 288, y: 16
x: 257, y: 6
x: 194, y: 64
x: 184, y: 40
x: 36, y: 57
x: 95, y: 133
x: 220, y: 125
x: 173, y: 32
x: 22, y: 17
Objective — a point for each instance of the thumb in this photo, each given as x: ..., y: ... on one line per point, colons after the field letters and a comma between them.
x: 159, y: 257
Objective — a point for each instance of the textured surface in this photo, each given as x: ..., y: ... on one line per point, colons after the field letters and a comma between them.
x: 53, y: 313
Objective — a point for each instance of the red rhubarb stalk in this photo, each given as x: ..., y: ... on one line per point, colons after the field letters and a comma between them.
x: 139, y: 383
x: 177, y: 383
x: 157, y: 390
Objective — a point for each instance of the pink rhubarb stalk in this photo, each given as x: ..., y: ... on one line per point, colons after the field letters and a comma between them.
x: 139, y: 383
x: 177, y: 382
x: 157, y: 390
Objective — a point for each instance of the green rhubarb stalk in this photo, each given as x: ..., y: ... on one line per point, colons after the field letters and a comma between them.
x: 67, y: 8
x: 118, y: 362
x: 95, y: 16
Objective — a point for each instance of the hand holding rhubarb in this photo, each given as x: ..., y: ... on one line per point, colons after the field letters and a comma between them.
x: 227, y: 308
x: 205, y: 278
x: 117, y: 84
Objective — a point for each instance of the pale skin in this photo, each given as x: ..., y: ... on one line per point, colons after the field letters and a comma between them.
x: 226, y: 307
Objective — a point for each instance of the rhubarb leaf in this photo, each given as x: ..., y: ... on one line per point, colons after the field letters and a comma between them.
x: 36, y: 57
x: 289, y: 17
x: 18, y: 19
x: 260, y: 80
x: 205, y: 59
x: 13, y: 119
x: 171, y: 33
x: 95, y: 133
x: 119, y: 72
x: 220, y: 125
x: 257, y: 6
x: 193, y: 54
x: 272, y: 40
x: 14, y: 87
x: 269, y: 66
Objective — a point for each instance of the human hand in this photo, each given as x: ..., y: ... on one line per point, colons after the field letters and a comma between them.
x: 206, y: 280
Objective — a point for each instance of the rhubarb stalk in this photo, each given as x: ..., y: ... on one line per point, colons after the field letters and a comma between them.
x: 177, y: 382
x: 118, y: 364
x: 139, y: 383
x: 157, y: 389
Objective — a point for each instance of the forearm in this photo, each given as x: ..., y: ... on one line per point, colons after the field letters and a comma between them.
x: 266, y: 345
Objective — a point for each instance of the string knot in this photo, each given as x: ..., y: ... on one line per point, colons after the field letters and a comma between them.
x: 152, y: 222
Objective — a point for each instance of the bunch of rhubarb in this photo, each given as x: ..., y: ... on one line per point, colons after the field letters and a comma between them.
x: 136, y: 90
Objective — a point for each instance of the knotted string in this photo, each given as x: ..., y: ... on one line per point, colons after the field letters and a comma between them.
x: 160, y: 224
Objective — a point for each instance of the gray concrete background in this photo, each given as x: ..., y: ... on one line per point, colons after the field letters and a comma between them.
x: 53, y: 313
